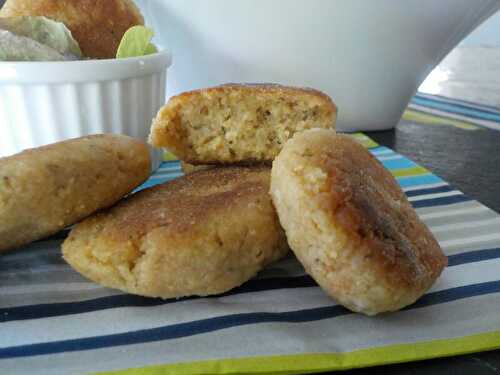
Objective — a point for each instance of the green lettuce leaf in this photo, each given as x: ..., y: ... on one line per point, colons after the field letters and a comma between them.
x: 44, y: 31
x: 136, y: 42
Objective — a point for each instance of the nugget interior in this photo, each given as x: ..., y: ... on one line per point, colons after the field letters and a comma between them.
x: 238, y: 123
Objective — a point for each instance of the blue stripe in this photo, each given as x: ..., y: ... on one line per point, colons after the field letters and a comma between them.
x: 441, y: 201
x: 228, y: 321
x: 169, y: 163
x: 127, y: 300
x: 167, y: 176
x: 473, y: 257
x: 156, y: 181
x: 460, y: 108
x: 457, y: 109
x: 161, y: 172
x: 169, y: 166
x: 425, y: 179
x: 434, y: 190
x: 454, y: 294
x: 460, y: 103
x: 389, y: 164
x: 398, y: 163
x: 255, y: 285
x: 172, y: 331
x: 384, y: 149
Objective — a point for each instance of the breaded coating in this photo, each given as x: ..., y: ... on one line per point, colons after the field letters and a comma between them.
x: 46, y: 189
x: 237, y: 123
x: 97, y: 25
x: 350, y: 224
x: 200, y: 234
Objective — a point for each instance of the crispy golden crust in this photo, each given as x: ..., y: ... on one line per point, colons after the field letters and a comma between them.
x: 351, y: 225
x: 200, y: 234
x: 261, y: 88
x: 43, y: 190
x: 98, y: 26
x: 237, y: 123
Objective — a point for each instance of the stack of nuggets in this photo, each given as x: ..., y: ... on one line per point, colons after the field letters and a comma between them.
x: 208, y: 232
x: 344, y: 216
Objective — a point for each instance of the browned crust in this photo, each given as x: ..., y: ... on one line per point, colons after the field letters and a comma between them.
x: 372, y: 209
x: 184, y: 202
x: 200, y: 234
x: 261, y: 88
x: 351, y: 225
x: 98, y: 26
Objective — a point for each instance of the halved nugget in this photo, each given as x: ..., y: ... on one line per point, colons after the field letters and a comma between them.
x: 45, y: 189
x: 351, y: 225
x: 238, y: 123
x: 201, y: 234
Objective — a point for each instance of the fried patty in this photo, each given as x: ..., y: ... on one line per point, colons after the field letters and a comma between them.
x: 200, y: 234
x: 45, y: 189
x: 350, y: 224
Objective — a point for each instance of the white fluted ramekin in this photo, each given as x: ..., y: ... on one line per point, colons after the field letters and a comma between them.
x: 46, y: 102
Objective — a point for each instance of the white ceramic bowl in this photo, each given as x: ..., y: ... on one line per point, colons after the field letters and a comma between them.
x: 46, y: 102
x: 369, y: 55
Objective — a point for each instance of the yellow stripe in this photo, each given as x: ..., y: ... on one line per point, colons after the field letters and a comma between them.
x: 168, y: 156
x: 406, y: 172
x: 297, y: 364
x: 429, y: 119
x: 364, y: 140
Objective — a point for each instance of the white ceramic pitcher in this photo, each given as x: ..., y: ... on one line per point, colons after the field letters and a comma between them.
x: 369, y: 55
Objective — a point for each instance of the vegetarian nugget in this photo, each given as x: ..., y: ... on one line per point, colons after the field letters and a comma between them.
x: 351, y: 225
x: 45, y: 189
x: 97, y: 25
x: 200, y: 234
x: 238, y: 123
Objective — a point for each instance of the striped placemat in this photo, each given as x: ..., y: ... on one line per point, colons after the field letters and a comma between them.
x: 440, y: 110
x: 52, y: 321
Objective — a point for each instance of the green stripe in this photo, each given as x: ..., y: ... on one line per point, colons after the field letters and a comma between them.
x: 168, y: 156
x: 364, y: 140
x: 432, y: 119
x: 298, y: 364
x: 406, y: 172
